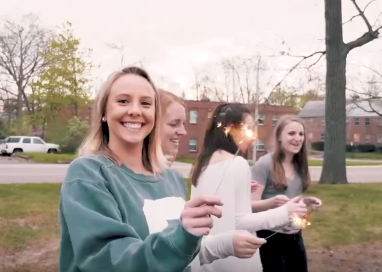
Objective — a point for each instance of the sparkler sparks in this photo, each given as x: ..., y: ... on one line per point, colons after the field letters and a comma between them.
x: 241, y: 134
x: 297, y: 221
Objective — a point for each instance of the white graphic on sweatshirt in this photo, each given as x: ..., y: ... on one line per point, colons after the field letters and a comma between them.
x: 159, y: 211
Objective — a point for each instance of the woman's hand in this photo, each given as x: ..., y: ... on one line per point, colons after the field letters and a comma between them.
x: 279, y: 200
x: 314, y: 202
x: 246, y: 244
x: 254, y: 186
x: 196, y: 215
x: 296, y: 207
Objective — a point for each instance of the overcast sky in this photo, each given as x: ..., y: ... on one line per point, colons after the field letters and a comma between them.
x: 172, y: 36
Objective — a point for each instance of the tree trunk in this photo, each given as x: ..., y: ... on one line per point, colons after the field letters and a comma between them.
x: 334, y: 168
x: 19, y: 113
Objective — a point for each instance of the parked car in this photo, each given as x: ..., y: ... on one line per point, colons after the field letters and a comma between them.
x: 27, y: 144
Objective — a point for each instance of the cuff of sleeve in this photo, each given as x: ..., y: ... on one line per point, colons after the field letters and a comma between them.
x: 185, y: 242
x: 219, y: 246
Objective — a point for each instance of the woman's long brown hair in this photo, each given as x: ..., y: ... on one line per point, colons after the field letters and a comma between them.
x: 300, y: 160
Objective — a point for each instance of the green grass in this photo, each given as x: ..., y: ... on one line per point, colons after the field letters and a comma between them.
x: 28, y: 212
x: 348, y: 163
x: 366, y: 156
x: 186, y: 160
x: 50, y: 158
x: 351, y: 214
x: 311, y: 162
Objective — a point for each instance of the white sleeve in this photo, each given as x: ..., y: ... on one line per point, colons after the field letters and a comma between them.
x: 214, y: 247
x: 245, y: 219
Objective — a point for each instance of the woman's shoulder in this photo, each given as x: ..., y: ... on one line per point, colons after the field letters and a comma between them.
x: 240, y: 163
x: 265, y: 161
x: 86, y: 167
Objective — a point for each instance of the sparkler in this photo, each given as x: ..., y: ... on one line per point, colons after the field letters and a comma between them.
x: 243, y: 132
x: 299, y: 221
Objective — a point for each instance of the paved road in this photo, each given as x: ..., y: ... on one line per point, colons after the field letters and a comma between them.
x: 46, y: 173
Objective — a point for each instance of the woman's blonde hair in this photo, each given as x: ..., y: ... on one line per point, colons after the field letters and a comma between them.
x: 166, y: 99
x: 98, y: 137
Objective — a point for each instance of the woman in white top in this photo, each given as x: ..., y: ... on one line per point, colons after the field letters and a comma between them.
x: 230, y: 243
x: 218, y: 171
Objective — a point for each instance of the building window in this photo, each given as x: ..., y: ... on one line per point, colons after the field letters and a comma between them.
x: 274, y: 120
x: 380, y: 121
x: 356, y: 138
x: 260, y: 145
x: 356, y: 121
x: 379, y: 139
x: 193, y: 117
x: 310, y: 136
x: 209, y: 114
x: 322, y: 137
x: 367, y: 138
x: 193, y: 145
x: 261, y: 119
x: 367, y: 121
x: 322, y: 122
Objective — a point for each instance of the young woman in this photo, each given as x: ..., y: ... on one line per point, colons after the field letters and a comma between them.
x: 213, y: 247
x: 121, y: 210
x: 280, y: 176
x: 173, y: 120
x: 218, y: 171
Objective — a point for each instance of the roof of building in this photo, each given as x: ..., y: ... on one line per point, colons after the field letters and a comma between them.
x: 313, y: 109
x: 364, y: 108
x: 360, y: 109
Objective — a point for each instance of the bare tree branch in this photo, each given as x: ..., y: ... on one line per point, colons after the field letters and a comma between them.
x: 21, y: 55
x: 367, y: 37
x: 303, y: 58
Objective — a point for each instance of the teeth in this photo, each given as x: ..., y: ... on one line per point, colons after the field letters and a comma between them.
x: 175, y: 141
x: 132, y: 125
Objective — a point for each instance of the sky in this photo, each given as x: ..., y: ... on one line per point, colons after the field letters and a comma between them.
x: 176, y: 38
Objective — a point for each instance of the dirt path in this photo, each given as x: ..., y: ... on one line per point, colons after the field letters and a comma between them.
x: 355, y: 258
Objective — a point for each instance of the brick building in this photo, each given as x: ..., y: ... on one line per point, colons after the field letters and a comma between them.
x: 362, y: 126
x: 199, y: 115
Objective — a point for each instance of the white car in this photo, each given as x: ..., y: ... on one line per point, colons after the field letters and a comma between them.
x: 27, y: 144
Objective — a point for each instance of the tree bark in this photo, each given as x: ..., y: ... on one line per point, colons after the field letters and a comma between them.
x: 334, y: 167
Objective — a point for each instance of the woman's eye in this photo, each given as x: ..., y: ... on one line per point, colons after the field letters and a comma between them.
x: 123, y: 101
x: 146, y: 103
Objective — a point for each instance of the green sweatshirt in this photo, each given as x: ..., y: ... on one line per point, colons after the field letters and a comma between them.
x: 114, y: 219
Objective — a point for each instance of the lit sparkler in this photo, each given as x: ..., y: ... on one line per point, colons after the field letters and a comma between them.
x: 301, y: 222
x: 242, y: 133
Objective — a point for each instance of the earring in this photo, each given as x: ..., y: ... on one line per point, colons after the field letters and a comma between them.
x: 103, y: 119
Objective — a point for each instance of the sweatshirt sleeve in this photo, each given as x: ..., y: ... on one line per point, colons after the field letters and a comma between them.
x: 102, y: 242
x: 244, y: 218
x: 214, y: 247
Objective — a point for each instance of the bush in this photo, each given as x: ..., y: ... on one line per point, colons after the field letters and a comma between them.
x: 366, y: 148
x: 319, y: 146
x: 69, y: 134
x: 350, y: 148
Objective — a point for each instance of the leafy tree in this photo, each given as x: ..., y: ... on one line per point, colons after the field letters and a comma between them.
x: 64, y: 84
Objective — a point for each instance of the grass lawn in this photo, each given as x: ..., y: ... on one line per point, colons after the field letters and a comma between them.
x: 50, y: 158
x: 366, y: 155
x: 348, y: 163
x: 351, y: 214
x: 311, y: 162
x: 28, y: 213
